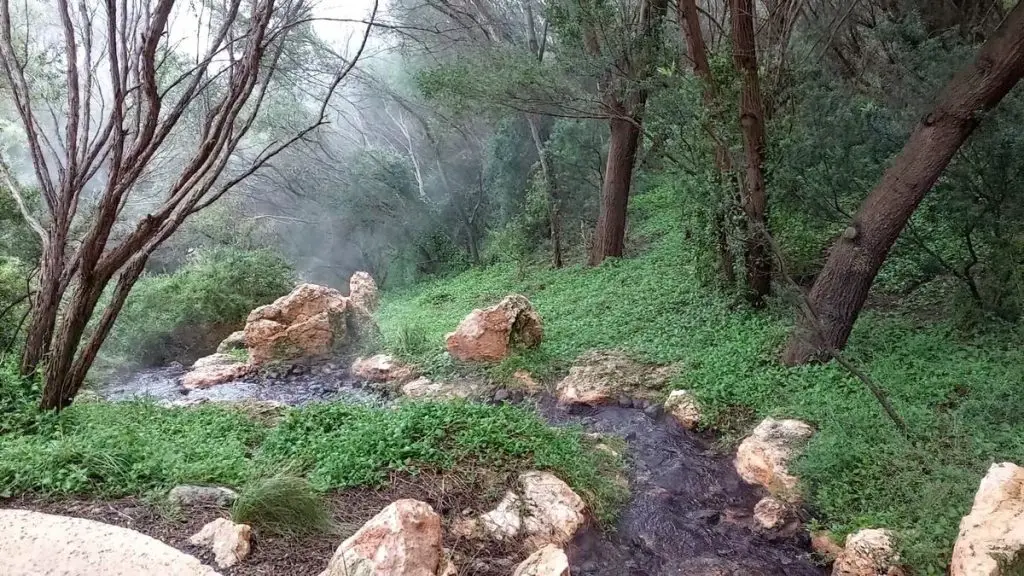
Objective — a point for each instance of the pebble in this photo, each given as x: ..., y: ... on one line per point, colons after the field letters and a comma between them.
x: 501, y: 395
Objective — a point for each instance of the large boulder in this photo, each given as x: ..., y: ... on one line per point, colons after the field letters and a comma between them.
x: 763, y: 458
x: 548, y: 561
x: 33, y: 543
x: 543, y: 511
x: 490, y: 334
x: 424, y: 389
x: 992, y: 534
x: 229, y: 542
x: 403, y: 539
x: 214, y: 369
x: 311, y: 322
x: 603, y: 376
x: 381, y: 368
x: 868, y: 552
x: 363, y: 291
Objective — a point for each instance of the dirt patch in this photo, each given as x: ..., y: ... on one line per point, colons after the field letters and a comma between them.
x: 451, y: 495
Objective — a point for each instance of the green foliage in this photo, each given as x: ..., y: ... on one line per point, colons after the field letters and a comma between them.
x: 215, y: 288
x: 132, y: 448
x: 18, y: 399
x: 283, y: 505
x: 959, y: 394
x: 13, y: 303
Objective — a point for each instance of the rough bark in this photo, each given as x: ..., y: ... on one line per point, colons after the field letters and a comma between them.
x: 689, y: 23
x: 623, y: 142
x: 842, y: 286
x: 757, y: 254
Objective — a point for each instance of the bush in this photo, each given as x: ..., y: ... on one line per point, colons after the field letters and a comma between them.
x: 183, y: 315
x: 283, y: 505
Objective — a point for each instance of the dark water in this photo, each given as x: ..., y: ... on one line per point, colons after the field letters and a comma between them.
x: 317, y: 384
x: 690, y: 513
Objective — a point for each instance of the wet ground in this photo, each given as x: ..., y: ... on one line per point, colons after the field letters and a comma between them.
x: 690, y: 514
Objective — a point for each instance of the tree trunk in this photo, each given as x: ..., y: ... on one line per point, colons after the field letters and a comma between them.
x: 45, y: 306
x: 540, y: 135
x: 757, y: 254
x: 609, y: 237
x: 689, y: 22
x: 843, y: 284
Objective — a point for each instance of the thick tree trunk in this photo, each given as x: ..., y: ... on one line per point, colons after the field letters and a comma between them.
x: 757, y: 253
x: 843, y: 284
x: 689, y: 22
x: 45, y: 306
x: 609, y: 238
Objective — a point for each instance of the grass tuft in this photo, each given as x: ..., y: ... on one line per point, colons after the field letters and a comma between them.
x: 282, y: 505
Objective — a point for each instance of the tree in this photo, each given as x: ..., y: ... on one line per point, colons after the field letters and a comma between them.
x: 840, y: 290
x: 757, y: 252
x: 127, y: 95
x: 629, y: 66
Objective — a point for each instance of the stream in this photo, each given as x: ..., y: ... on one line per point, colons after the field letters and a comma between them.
x: 690, y: 513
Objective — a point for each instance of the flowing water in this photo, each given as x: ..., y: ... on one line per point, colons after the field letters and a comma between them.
x: 690, y: 513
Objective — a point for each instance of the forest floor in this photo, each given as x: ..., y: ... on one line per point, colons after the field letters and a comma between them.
x: 958, y: 390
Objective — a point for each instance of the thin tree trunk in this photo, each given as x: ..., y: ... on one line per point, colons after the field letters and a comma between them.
x: 689, y: 22
x: 843, y: 284
x: 547, y: 171
x: 45, y: 306
x: 609, y: 238
x: 757, y: 254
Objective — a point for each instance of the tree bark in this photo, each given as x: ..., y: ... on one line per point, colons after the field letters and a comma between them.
x: 540, y: 135
x: 689, y: 22
x: 609, y: 239
x: 757, y: 254
x: 843, y: 284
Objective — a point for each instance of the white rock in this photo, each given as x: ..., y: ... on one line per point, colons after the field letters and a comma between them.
x: 763, y: 458
x: 548, y: 561
x: 994, y: 529
x: 552, y: 511
x: 505, y: 521
x: 868, y: 552
x: 33, y: 544
x: 228, y: 541
x: 682, y: 405
x: 186, y: 495
x: 770, y: 513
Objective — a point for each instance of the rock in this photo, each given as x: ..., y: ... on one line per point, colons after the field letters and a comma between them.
x: 527, y: 382
x: 211, y: 496
x: 682, y: 405
x: 310, y: 322
x: 868, y: 552
x: 548, y: 561
x: 770, y: 513
x: 214, y: 369
x: 543, y: 511
x: 363, y: 291
x: 228, y: 541
x: 449, y: 569
x: 34, y: 543
x: 381, y: 368
x: 993, y: 531
x: 235, y: 341
x: 763, y: 457
x: 490, y: 334
x: 403, y: 539
x: 606, y: 377
x: 501, y: 395
x: 424, y: 389
x: 822, y: 543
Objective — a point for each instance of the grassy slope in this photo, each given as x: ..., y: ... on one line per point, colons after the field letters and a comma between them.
x: 960, y: 396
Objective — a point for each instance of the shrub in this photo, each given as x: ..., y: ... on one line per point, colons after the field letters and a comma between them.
x: 283, y: 505
x: 184, y: 314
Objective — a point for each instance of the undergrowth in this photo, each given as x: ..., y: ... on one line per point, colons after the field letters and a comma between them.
x: 958, y: 392
x: 121, y: 449
x: 283, y: 505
